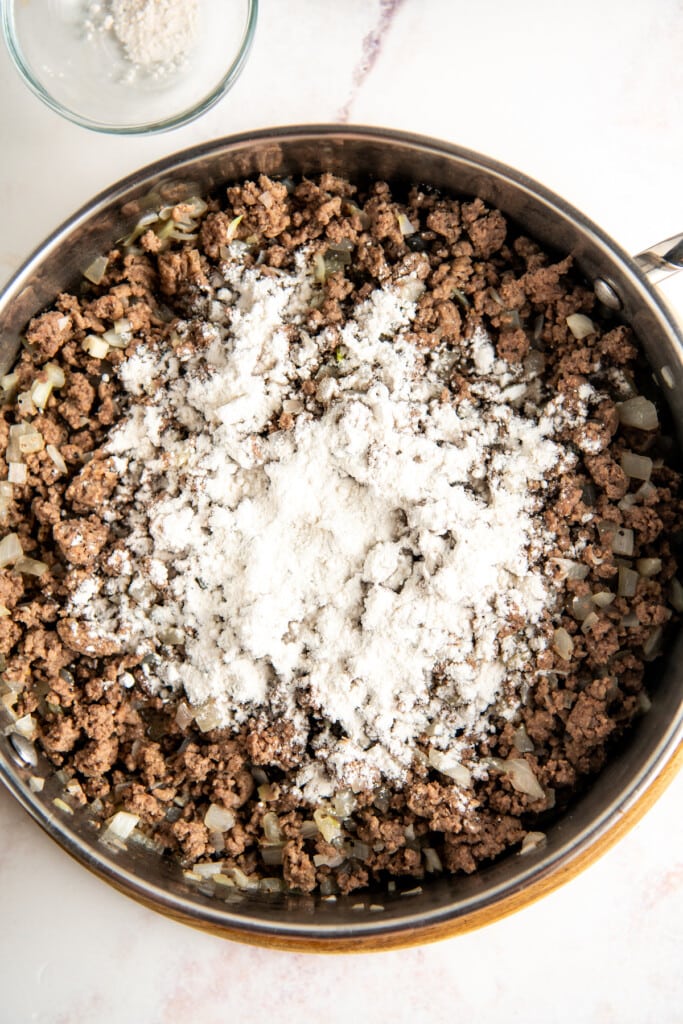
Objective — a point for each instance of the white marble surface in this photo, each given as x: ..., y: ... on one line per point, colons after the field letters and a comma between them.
x: 584, y: 97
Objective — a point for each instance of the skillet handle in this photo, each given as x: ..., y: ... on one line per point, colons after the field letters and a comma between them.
x: 662, y: 260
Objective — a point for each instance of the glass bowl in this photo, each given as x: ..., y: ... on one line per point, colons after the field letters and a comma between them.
x: 101, y: 64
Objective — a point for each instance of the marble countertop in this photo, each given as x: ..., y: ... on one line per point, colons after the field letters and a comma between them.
x: 585, y: 98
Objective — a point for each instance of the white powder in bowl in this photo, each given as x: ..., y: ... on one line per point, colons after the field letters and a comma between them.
x: 155, y: 35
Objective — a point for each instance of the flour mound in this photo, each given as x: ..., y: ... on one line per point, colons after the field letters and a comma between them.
x: 353, y: 573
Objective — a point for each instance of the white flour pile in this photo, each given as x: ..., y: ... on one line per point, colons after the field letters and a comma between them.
x: 368, y: 557
x: 154, y: 35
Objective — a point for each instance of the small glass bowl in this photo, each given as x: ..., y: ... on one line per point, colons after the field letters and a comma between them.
x: 71, y: 57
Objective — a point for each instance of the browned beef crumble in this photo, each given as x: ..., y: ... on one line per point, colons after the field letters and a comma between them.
x: 96, y: 721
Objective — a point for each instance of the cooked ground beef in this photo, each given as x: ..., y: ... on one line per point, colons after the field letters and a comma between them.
x: 94, y: 717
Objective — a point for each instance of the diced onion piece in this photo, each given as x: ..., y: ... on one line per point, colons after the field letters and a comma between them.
x: 520, y: 775
x: 571, y: 570
x: 644, y: 702
x: 448, y: 764
x: 36, y: 784
x: 580, y: 325
x: 630, y: 621
x: 55, y: 375
x: 607, y: 528
x: 522, y: 741
x: 532, y: 841
x: 511, y: 319
x: 638, y: 412
x: 184, y: 715
x: 271, y: 827
x: 319, y: 268
x: 590, y: 621
x: 652, y: 646
x: 4, y: 611
x: 208, y: 870
x: 207, y: 718
x: 40, y: 393
x: 328, y: 860
x: 309, y: 829
x: 258, y: 775
x: 649, y: 566
x: 336, y: 258
x: 638, y: 467
x: 148, y: 218
x: 405, y: 226
x: 622, y: 542
x: 74, y: 789
x: 676, y: 595
x: 538, y: 326
x: 233, y: 226
x: 31, y: 566
x: 432, y: 859
x: 56, y: 457
x: 21, y: 429
x: 359, y: 850
x: 9, y: 381
x: 603, y: 598
x: 293, y: 405
x: 196, y: 205
x: 582, y: 606
x: 115, y: 340
x: 563, y: 645
x: 26, y: 726
x: 16, y: 432
x: 25, y: 404
x: 241, y: 880
x: 221, y: 879
x: 344, y: 245
x: 219, y: 819
x: 628, y: 582
x: 96, y: 270
x: 327, y: 824
x: 645, y: 491
x: 667, y: 376
x: 17, y: 473
x: 121, y: 335
x: 171, y: 636
x: 266, y: 200
x: 268, y: 791
x: 95, y: 346
x: 534, y: 364
x: 459, y: 294
x: 120, y: 826
x: 344, y: 803
x: 31, y: 442
x: 217, y: 841
x: 10, y: 549
x: 272, y: 854
x: 8, y: 700
x: 62, y: 805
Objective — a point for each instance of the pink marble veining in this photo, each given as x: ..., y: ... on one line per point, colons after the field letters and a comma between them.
x: 372, y: 45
